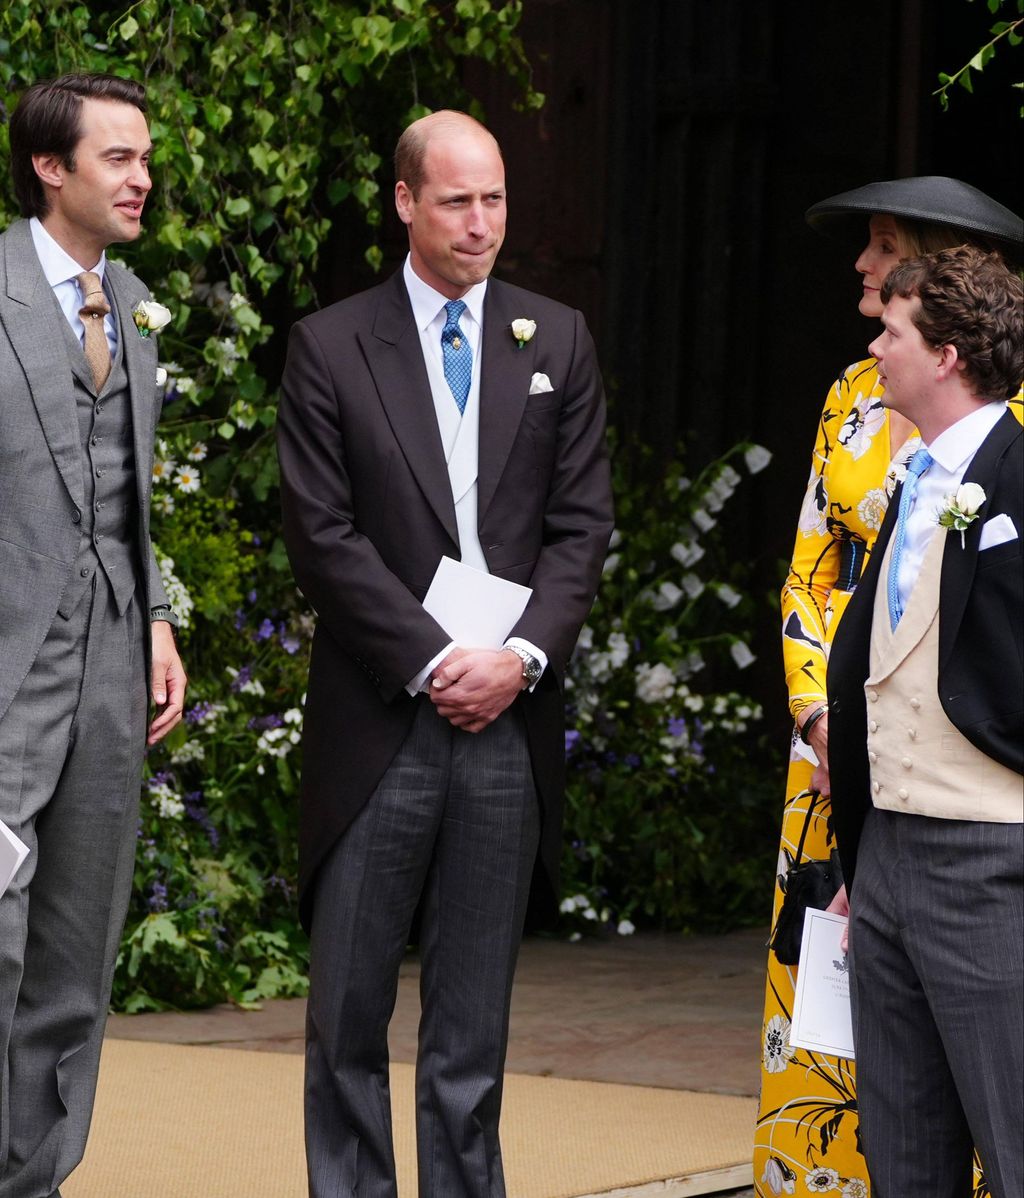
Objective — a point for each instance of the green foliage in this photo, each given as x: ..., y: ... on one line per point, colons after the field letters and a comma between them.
x: 1012, y: 32
x: 670, y: 823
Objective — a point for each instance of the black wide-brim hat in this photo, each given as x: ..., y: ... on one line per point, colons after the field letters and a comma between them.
x: 934, y: 198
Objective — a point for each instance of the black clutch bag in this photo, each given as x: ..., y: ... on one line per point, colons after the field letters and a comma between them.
x: 807, y: 883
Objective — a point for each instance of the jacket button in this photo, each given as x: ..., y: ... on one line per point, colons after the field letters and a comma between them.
x: 904, y: 794
x: 912, y: 733
x: 876, y: 787
x: 915, y: 703
x: 906, y: 763
x: 873, y: 696
x: 85, y: 571
x: 872, y: 726
x: 76, y: 517
x: 872, y: 757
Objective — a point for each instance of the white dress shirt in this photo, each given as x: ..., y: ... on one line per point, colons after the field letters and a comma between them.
x: 460, y: 432
x: 61, y: 272
x: 952, y: 452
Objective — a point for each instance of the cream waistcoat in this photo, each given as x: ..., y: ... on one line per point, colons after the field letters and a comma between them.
x: 921, y: 764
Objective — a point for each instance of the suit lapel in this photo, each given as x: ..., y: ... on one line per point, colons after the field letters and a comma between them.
x: 504, y: 387
x: 959, y: 562
x: 139, y: 356
x: 395, y: 359
x: 32, y: 319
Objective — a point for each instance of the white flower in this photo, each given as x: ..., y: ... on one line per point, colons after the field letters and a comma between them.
x: 236, y: 301
x: 615, y: 540
x: 692, y: 585
x: 618, y: 650
x: 625, y: 928
x: 177, y: 593
x: 575, y: 937
x: 727, y: 477
x: 293, y: 716
x: 757, y: 457
x: 871, y: 508
x: 668, y: 595
x: 586, y: 638
x: 185, y: 385
x: 610, y: 564
x: 186, y: 479
x: 703, y: 521
x: 694, y: 702
x: 960, y: 510
x: 855, y: 1188
x: 822, y: 1180
x: 687, y: 553
x: 197, y: 452
x: 150, y: 317
x: 654, y: 684
x: 567, y: 906
x: 167, y: 803
x: 163, y: 469
x: 590, y: 913
x: 523, y: 330
x: 727, y: 595
x: 191, y: 750
x: 777, y: 1050
x: 778, y: 1176
x: 161, y: 376
x: 163, y: 503
x: 741, y: 654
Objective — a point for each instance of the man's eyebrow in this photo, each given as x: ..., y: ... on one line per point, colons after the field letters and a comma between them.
x: 125, y: 150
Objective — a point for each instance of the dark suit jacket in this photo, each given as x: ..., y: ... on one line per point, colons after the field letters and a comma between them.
x: 981, y: 641
x: 42, y: 490
x: 368, y: 514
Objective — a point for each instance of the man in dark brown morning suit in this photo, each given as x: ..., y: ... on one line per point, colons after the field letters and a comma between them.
x: 414, y: 424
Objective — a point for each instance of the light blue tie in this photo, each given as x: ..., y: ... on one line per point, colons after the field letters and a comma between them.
x: 919, y: 463
x: 458, y: 357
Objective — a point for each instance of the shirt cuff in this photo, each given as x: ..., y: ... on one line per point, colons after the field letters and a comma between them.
x: 415, y: 685
x: 540, y: 655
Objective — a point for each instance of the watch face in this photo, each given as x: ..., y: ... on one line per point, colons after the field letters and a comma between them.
x: 531, y: 669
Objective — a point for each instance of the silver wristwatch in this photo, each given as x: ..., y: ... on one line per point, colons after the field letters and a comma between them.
x: 532, y: 669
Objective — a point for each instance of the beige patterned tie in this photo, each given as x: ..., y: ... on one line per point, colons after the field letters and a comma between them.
x: 92, y: 312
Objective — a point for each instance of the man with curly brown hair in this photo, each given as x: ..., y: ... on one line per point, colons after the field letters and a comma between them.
x: 926, y: 697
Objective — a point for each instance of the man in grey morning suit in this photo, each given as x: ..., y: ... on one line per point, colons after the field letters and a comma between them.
x: 926, y: 744
x: 415, y: 424
x: 84, y: 620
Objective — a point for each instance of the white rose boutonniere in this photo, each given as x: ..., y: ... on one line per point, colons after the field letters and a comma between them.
x: 960, y: 510
x: 523, y: 330
x: 150, y: 317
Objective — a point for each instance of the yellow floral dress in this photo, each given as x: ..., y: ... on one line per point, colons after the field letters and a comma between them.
x: 807, y: 1135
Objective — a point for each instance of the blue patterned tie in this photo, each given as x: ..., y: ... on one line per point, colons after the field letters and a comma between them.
x: 919, y: 463
x: 458, y: 357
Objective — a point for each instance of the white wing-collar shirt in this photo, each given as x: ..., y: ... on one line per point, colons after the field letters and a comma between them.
x: 952, y: 452
x: 61, y: 271
x: 460, y: 434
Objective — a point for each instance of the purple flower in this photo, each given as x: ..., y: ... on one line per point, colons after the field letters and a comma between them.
x: 243, y: 677
x: 290, y: 644
x: 198, y: 713
x: 239, y: 620
x: 572, y: 739
x: 252, y: 595
x: 677, y: 726
x: 158, y: 897
x: 632, y: 760
x: 194, y: 809
x: 260, y: 723
x: 265, y: 630
x: 256, y: 541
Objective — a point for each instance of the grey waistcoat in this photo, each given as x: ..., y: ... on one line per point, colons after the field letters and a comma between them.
x: 109, y: 518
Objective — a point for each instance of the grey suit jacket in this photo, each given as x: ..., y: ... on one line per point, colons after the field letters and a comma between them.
x: 41, y: 486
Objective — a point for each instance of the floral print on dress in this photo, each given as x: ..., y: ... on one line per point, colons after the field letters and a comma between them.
x: 777, y: 1050
x: 822, y: 1181
x: 871, y: 508
x: 867, y: 418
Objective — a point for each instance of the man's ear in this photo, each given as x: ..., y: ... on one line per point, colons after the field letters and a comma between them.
x: 50, y: 168
x: 404, y: 201
x: 949, y: 361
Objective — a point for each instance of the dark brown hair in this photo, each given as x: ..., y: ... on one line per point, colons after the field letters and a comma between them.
x: 48, y: 120
x: 973, y: 301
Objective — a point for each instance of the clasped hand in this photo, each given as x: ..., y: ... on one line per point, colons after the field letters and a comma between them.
x: 472, y: 687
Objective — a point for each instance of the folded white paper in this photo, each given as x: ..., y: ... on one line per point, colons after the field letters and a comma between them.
x: 13, y: 852
x: 821, y: 1005
x: 476, y: 609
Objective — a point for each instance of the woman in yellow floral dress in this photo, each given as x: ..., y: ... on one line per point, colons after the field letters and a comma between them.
x: 807, y: 1135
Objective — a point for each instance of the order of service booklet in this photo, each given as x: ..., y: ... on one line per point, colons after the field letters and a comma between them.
x: 476, y: 609
x: 13, y: 852
x: 821, y: 1005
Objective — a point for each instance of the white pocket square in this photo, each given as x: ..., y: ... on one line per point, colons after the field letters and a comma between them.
x: 539, y: 384
x: 997, y: 531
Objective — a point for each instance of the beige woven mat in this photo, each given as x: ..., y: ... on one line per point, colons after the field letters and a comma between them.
x: 174, y: 1121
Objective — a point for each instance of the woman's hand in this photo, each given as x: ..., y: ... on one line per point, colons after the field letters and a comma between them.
x: 817, y: 738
